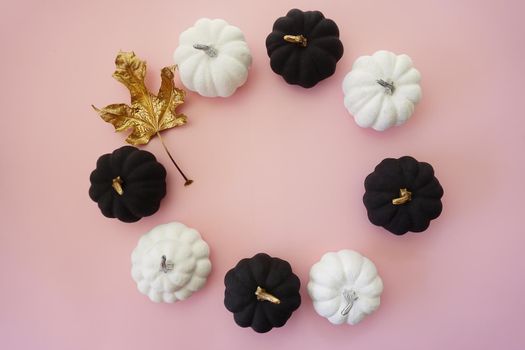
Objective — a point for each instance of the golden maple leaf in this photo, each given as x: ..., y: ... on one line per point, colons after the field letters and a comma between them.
x: 148, y: 114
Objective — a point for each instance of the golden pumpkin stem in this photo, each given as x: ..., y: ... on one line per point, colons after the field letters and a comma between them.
x: 188, y: 181
x: 405, y: 196
x: 296, y: 39
x: 263, y: 295
x: 116, y: 183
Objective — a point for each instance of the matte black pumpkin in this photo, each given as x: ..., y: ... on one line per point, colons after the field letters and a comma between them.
x: 304, y: 47
x: 262, y: 292
x: 128, y: 184
x: 403, y: 195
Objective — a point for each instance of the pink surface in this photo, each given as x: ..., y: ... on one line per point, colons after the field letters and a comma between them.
x: 277, y: 169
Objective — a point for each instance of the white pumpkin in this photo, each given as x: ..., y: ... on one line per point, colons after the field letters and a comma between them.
x: 381, y: 90
x: 170, y: 263
x: 213, y: 58
x: 344, y: 287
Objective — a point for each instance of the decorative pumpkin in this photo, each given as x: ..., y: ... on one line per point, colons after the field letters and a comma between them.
x: 128, y: 184
x: 170, y: 263
x: 345, y: 287
x: 262, y: 292
x: 402, y: 195
x: 382, y: 90
x: 213, y: 58
x: 304, y: 47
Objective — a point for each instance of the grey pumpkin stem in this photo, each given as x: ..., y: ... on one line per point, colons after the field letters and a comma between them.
x: 389, y: 86
x: 350, y: 297
x: 166, y: 266
x: 209, y: 50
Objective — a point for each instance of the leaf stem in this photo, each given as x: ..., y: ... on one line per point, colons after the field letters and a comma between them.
x: 187, y: 181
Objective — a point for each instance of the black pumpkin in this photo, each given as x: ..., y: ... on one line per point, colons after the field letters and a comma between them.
x: 403, y: 195
x: 128, y: 184
x: 262, y: 292
x: 304, y: 47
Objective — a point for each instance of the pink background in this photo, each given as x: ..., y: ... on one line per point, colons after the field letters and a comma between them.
x: 277, y: 169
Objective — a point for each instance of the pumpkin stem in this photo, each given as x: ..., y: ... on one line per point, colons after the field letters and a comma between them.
x: 116, y: 183
x: 263, y: 295
x: 405, y: 196
x: 209, y: 50
x: 389, y: 86
x: 166, y: 266
x: 187, y: 181
x: 296, y: 39
x: 350, y: 297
